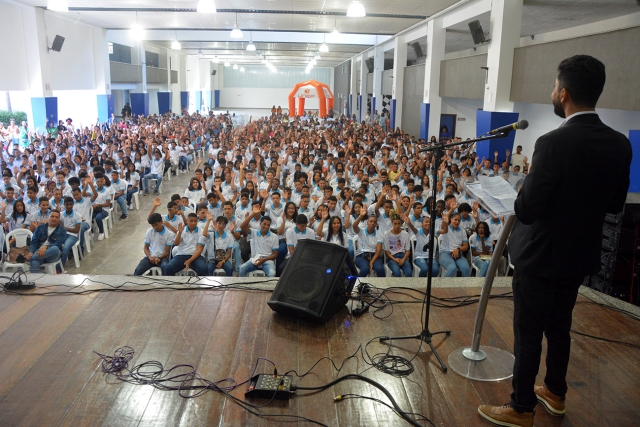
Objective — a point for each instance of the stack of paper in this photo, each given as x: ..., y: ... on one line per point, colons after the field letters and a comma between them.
x: 494, y: 194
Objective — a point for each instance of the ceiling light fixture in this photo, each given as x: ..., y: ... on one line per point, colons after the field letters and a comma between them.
x: 242, y: 69
x: 176, y: 44
x: 323, y: 47
x: 206, y: 6
x: 58, y: 5
x: 251, y: 47
x: 215, y: 60
x: 235, y: 66
x: 137, y: 32
x: 356, y: 10
x: 227, y: 64
x: 236, y: 33
x: 317, y: 56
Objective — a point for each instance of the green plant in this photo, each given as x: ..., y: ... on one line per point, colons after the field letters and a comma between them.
x: 18, y: 116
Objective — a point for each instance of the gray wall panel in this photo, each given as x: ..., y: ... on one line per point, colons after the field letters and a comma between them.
x: 341, y: 81
x: 387, y: 82
x: 463, y: 78
x: 412, y: 96
x: 534, y: 68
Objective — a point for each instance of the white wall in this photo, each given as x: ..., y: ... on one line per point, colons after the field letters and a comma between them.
x: 540, y: 117
x: 260, y: 98
x: 73, y: 67
x: 463, y: 108
x: 79, y: 105
x: 542, y: 120
x: 13, y: 73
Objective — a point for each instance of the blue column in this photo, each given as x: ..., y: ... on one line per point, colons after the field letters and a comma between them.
x: 139, y: 104
x: 373, y: 106
x: 634, y: 137
x: 207, y: 94
x: 165, y: 100
x: 43, y: 109
x: 350, y: 106
x: 198, y: 100
x: 392, y: 114
x: 424, y: 120
x: 216, y: 96
x: 184, y: 101
x: 489, y: 120
x: 105, y: 107
x: 360, y: 109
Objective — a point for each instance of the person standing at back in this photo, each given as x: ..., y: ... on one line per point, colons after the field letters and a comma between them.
x: 553, y: 250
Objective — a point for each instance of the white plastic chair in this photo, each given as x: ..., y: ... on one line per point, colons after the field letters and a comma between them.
x: 135, y: 200
x: 22, y: 236
x: 50, y: 267
x: 189, y: 272
x: 155, y: 271
x: 372, y: 273
x: 256, y: 273
x: 76, y: 250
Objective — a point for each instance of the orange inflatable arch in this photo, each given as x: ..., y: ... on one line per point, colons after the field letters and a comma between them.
x: 310, y: 89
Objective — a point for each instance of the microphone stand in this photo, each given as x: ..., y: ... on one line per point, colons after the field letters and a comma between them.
x: 426, y: 333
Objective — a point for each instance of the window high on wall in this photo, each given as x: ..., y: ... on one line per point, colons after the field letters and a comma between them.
x: 284, y: 77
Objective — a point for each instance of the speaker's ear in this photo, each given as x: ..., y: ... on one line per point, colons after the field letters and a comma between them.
x: 316, y: 282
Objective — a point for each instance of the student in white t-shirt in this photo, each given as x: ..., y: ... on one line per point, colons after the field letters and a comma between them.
x: 264, y: 245
x: 396, y: 244
x: 421, y: 257
x: 195, y: 193
x: 294, y: 235
x: 453, y: 242
x: 481, y: 248
x: 219, y: 243
x: 334, y: 233
x: 157, y: 245
x: 188, y: 249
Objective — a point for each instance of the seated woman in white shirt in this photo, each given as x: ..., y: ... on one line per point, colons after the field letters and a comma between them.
x: 481, y: 248
x: 453, y: 242
x: 334, y: 233
x: 195, y: 193
x: 133, y: 181
x: 422, y: 248
x: 396, y: 244
x: 284, y: 223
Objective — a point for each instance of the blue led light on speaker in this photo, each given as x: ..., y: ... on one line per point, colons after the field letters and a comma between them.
x: 329, y: 271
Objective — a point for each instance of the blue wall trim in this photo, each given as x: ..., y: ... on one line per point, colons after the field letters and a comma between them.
x: 216, y: 96
x: 425, y: 109
x: 43, y: 109
x: 392, y: 114
x: 184, y: 101
x: 360, y: 109
x: 373, y: 107
x: 489, y: 120
x: 139, y: 104
x: 634, y: 137
x: 164, y: 102
x: 207, y: 98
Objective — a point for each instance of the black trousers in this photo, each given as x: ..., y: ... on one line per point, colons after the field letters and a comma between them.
x: 541, y: 306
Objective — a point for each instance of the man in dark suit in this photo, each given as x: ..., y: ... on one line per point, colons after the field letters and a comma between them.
x: 557, y: 236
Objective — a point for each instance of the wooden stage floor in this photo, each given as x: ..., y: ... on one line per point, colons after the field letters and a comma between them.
x: 49, y: 375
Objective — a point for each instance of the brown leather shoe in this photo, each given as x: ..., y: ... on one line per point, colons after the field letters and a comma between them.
x: 554, y: 404
x: 505, y: 416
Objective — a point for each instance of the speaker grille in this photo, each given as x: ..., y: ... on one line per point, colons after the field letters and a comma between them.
x: 304, y: 284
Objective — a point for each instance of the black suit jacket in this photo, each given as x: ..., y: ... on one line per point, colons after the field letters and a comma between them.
x: 579, y: 172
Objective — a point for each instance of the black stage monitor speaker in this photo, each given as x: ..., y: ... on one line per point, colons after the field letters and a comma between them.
x: 316, y: 283
x: 56, y: 46
x: 476, y: 32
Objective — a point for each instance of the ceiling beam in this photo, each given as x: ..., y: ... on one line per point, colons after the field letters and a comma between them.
x: 238, y: 11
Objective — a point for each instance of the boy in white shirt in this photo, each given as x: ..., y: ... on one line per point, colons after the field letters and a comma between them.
x: 188, y: 249
x: 264, y: 246
x: 157, y: 246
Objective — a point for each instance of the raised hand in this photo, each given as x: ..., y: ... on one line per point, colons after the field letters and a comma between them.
x: 495, y: 153
x: 180, y: 227
x: 157, y: 202
x: 508, y: 153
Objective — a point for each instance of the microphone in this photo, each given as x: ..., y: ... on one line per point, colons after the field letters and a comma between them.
x: 522, y: 124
